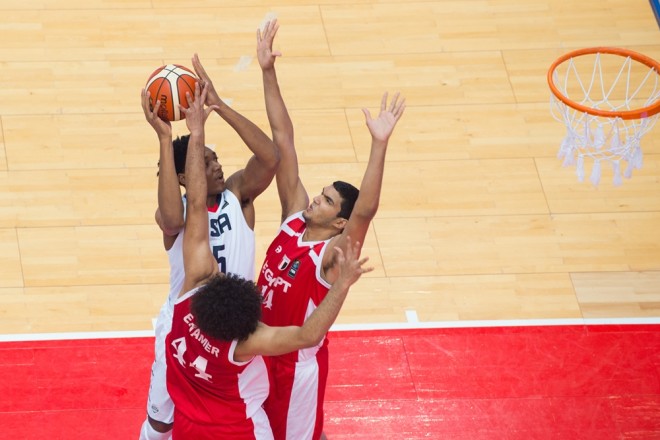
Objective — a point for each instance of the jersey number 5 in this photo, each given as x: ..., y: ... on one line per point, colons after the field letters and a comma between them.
x: 222, y: 263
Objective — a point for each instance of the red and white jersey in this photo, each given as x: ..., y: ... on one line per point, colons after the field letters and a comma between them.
x: 290, y: 280
x: 231, y: 240
x: 209, y: 388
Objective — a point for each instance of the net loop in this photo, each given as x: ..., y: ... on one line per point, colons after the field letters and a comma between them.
x: 608, y: 99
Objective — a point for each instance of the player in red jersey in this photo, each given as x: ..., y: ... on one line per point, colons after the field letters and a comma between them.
x: 300, y: 264
x: 215, y: 374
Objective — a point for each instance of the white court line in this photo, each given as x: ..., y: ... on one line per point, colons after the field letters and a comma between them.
x: 80, y: 335
x: 351, y: 327
x: 494, y: 323
x: 411, y: 316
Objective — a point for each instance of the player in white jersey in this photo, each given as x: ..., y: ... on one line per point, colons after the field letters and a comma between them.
x: 231, y: 239
x: 231, y: 217
x: 215, y: 372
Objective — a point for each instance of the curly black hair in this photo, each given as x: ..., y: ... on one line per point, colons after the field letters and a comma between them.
x: 349, y: 195
x: 228, y: 307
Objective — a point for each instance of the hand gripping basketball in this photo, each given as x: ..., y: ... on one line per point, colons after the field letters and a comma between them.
x: 167, y: 87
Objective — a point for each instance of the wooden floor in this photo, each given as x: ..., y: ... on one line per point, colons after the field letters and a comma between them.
x: 478, y: 219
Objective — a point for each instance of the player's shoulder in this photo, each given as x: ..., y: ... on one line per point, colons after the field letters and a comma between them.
x: 294, y: 219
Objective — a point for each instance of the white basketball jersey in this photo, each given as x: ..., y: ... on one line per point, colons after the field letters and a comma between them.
x: 230, y: 238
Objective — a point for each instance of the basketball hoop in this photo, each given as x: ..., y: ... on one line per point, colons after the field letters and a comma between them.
x: 608, y: 98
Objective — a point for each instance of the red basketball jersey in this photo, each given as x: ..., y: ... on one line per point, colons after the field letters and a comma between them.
x: 209, y: 389
x: 290, y: 280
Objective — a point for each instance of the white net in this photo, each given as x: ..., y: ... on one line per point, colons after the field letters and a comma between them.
x: 608, y: 82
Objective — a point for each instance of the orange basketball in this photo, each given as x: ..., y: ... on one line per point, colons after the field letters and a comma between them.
x: 169, y: 84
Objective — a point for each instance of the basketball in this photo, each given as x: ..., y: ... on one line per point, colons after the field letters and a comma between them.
x: 169, y: 84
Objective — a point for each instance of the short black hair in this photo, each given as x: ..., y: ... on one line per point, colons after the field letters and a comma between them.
x: 349, y: 195
x: 228, y: 307
x: 180, y: 149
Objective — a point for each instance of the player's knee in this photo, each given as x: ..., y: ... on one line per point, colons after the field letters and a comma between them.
x: 160, y: 427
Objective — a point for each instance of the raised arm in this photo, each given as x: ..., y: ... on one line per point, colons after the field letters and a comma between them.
x: 293, y: 196
x: 198, y: 262
x: 260, y: 169
x: 367, y: 202
x: 274, y: 341
x: 169, y: 214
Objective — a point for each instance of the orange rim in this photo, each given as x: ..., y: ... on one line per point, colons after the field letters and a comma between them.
x: 643, y: 112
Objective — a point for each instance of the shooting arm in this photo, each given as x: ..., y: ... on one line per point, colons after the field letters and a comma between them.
x: 170, y: 207
x: 261, y: 167
x: 169, y: 214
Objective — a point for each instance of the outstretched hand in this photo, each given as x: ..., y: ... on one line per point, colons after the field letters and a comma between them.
x: 265, y: 53
x: 196, y: 113
x: 382, y: 127
x: 350, y: 267
x: 163, y: 128
x: 212, y: 97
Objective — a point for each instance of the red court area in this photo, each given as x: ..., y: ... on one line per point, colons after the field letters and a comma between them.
x: 555, y: 382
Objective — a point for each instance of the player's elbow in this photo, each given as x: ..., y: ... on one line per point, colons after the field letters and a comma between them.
x: 284, y: 139
x: 272, y: 162
x: 312, y: 339
x: 365, y: 212
x: 170, y: 226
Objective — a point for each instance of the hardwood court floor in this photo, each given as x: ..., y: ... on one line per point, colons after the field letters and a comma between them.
x: 478, y: 220
x: 586, y: 382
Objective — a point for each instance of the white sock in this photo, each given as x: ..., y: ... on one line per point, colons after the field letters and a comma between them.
x: 149, y: 433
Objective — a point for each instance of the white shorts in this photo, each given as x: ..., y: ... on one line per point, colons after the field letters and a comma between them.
x: 159, y: 404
